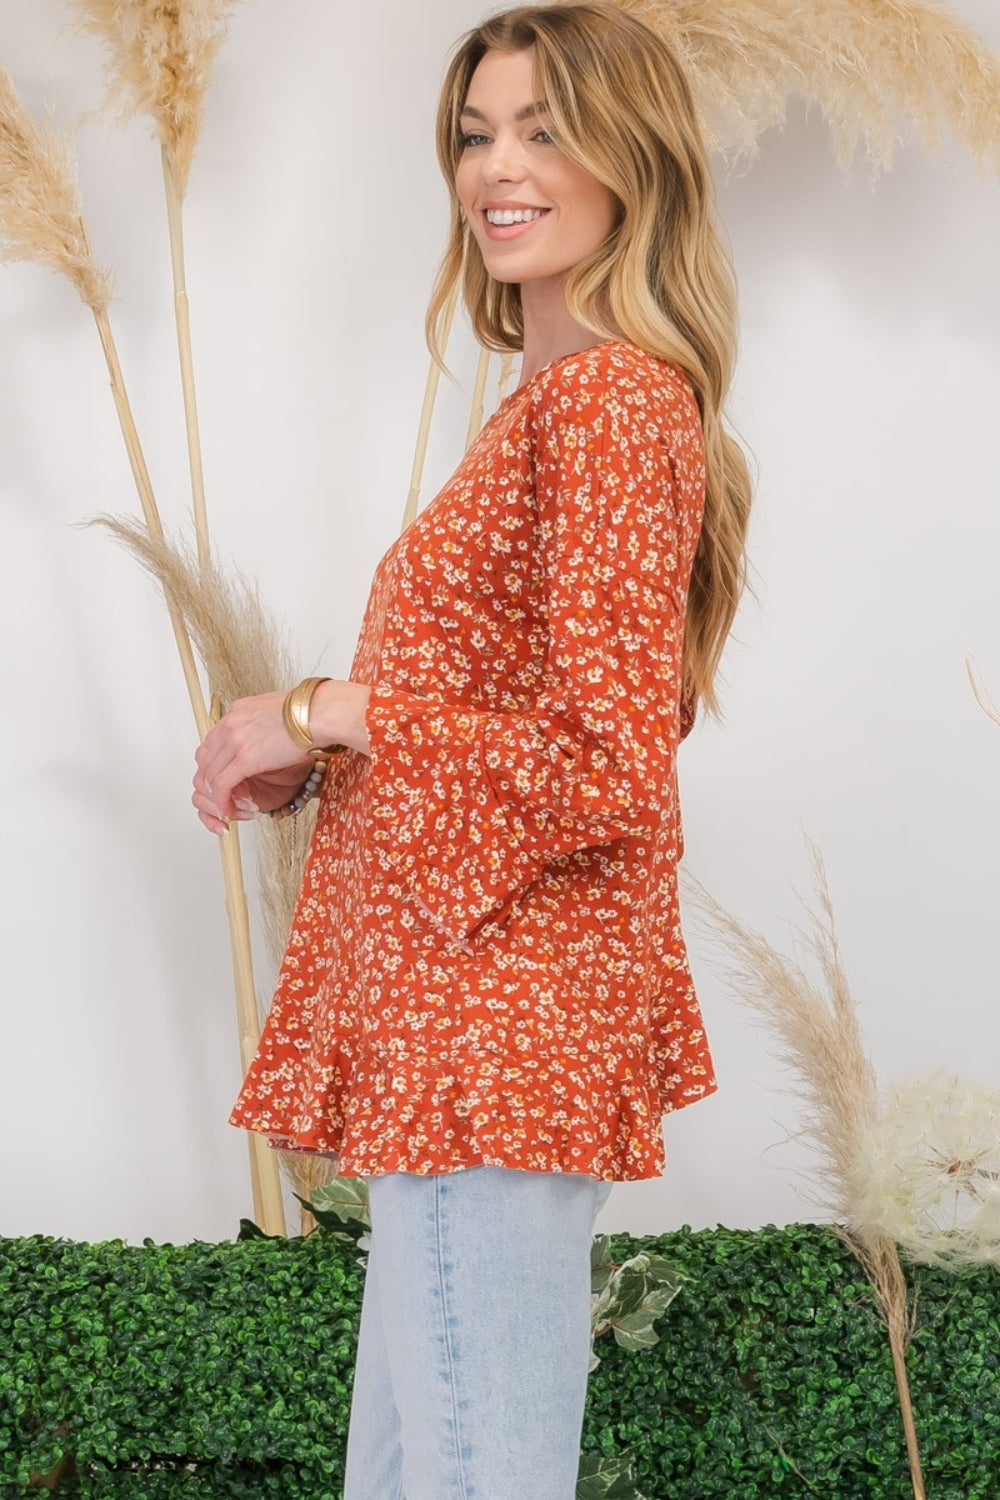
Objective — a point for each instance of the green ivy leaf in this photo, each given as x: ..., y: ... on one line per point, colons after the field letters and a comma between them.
x: 251, y: 1231
x: 342, y: 1201
x: 606, y: 1478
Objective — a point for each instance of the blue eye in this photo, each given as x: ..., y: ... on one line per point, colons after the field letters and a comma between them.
x: 472, y: 138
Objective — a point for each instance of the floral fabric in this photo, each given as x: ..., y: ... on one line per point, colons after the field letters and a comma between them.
x: 486, y: 964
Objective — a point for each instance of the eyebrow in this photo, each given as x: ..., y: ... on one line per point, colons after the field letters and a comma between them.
x: 538, y: 108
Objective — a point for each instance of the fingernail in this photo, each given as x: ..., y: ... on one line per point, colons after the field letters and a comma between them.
x: 245, y: 804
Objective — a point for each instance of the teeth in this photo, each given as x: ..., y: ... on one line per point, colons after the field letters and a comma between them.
x: 513, y: 215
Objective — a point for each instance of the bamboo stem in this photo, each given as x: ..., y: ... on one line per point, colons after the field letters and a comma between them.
x: 268, y: 1203
x: 265, y: 1178
x: 478, y: 397
x: 426, y: 413
x: 175, y: 225
x: 506, y: 366
x: 150, y: 511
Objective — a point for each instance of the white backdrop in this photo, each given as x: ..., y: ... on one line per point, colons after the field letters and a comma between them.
x: 868, y: 391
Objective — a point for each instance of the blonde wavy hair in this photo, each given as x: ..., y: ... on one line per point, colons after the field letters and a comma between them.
x: 622, y: 108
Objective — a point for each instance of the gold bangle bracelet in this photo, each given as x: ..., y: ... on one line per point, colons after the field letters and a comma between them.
x: 295, y: 712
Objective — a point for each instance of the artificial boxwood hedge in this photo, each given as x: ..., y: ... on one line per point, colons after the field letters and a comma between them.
x: 224, y: 1371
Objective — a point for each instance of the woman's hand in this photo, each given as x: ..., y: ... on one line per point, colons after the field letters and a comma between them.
x: 248, y: 758
x: 253, y: 795
x: 249, y: 763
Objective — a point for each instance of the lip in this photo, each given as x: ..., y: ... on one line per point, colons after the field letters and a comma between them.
x: 511, y: 231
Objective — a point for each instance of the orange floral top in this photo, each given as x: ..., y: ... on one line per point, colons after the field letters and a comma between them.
x: 485, y: 964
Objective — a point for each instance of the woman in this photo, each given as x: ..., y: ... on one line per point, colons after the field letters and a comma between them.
x: 485, y: 1007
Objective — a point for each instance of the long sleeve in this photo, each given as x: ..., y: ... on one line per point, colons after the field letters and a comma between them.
x: 470, y: 805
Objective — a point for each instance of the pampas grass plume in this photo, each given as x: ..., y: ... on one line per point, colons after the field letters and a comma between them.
x: 161, y: 62
x: 869, y: 65
x: 243, y: 653
x: 41, y: 219
x: 981, y: 692
x: 816, y: 1029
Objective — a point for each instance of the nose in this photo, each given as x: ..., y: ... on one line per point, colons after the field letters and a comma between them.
x: 502, y: 161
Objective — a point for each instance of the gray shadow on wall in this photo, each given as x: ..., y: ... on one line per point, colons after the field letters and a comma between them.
x: 903, y: 247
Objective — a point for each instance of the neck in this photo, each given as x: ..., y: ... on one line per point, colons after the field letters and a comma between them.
x: 549, y: 330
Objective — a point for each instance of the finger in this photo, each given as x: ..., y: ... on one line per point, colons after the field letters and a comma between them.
x: 209, y: 748
x: 222, y: 795
x: 224, y: 764
x: 210, y: 813
x: 204, y: 796
x: 216, y: 779
x: 229, y: 781
x: 219, y: 746
x: 212, y: 759
x: 214, y: 825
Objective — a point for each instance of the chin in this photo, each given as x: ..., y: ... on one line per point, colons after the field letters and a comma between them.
x: 506, y: 271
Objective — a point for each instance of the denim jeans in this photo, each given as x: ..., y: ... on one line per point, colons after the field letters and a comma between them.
x: 471, y: 1370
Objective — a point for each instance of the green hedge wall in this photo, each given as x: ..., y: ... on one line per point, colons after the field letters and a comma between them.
x: 224, y: 1370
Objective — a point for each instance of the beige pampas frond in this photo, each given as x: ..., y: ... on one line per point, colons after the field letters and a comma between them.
x: 816, y: 1029
x: 240, y: 647
x: 41, y: 219
x: 243, y: 653
x: 981, y: 692
x: 281, y: 855
x: 819, y: 1037
x: 162, y: 55
x: 871, y: 66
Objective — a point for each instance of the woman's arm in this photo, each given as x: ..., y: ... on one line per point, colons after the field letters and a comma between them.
x: 469, y: 805
x: 248, y: 763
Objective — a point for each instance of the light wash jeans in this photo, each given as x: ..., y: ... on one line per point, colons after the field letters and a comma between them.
x: 471, y: 1370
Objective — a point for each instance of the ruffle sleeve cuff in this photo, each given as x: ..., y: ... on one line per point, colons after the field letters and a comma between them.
x: 452, y: 845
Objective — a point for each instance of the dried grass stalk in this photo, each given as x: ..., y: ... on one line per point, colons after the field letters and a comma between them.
x: 426, y: 414
x: 503, y: 380
x: 41, y: 219
x: 244, y: 653
x: 182, y: 321
x: 819, y: 1038
x: 241, y: 648
x: 871, y: 66
x: 162, y: 58
x: 816, y: 1031
x: 150, y: 541
x: 478, y: 398
x: 981, y: 692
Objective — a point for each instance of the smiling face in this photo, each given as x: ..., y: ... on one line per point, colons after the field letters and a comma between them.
x: 534, y: 213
